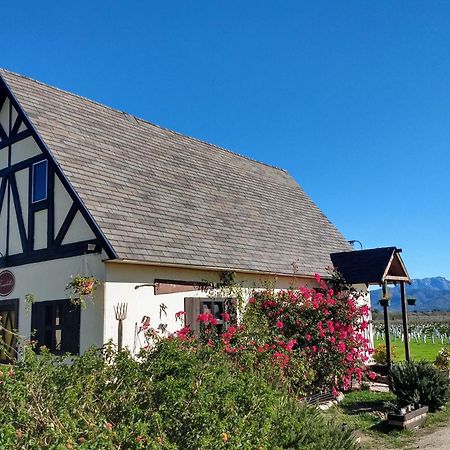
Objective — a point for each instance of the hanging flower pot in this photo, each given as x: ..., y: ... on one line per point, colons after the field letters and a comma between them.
x: 384, y: 302
x: 80, y: 286
x: 411, y: 301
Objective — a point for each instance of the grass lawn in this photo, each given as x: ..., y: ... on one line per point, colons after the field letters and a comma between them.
x: 418, y: 350
x: 365, y: 411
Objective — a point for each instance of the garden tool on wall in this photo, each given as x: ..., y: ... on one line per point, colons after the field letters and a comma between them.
x: 120, y: 311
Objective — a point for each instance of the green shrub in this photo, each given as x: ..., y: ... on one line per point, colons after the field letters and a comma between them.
x: 380, y: 354
x: 170, y: 398
x: 419, y: 382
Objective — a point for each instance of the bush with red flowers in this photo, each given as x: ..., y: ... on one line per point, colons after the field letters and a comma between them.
x: 310, y: 338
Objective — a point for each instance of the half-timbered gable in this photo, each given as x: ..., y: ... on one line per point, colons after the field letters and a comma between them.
x: 40, y: 215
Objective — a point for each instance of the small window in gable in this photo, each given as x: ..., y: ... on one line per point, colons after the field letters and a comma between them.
x: 39, y: 181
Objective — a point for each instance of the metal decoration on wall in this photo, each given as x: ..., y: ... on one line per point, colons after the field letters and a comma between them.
x: 120, y: 311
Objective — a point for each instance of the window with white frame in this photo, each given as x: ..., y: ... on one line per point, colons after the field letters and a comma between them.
x: 39, y: 181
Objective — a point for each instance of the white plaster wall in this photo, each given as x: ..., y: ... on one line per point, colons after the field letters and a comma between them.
x: 46, y: 280
x: 15, y: 244
x: 121, y: 280
x: 24, y: 149
x: 40, y: 229
x: 4, y: 115
x: 78, y: 231
x: 62, y: 202
x: 22, y: 187
x: 3, y: 158
x: 3, y: 223
x: 364, y: 299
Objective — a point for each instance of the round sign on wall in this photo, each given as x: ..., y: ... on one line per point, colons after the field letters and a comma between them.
x: 7, y: 282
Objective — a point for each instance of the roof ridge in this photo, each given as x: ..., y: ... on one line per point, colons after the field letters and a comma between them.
x: 142, y: 120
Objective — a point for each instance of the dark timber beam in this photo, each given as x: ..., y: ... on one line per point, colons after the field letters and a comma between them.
x: 405, y: 319
x: 386, y: 329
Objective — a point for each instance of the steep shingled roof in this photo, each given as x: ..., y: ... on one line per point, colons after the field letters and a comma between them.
x: 162, y: 197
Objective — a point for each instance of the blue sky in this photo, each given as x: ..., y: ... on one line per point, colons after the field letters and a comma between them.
x: 352, y: 98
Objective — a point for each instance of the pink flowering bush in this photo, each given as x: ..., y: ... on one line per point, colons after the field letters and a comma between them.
x: 308, y: 339
x: 324, y: 327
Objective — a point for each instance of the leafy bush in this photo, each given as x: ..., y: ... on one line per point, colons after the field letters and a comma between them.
x: 380, y: 354
x: 169, y: 398
x: 419, y: 382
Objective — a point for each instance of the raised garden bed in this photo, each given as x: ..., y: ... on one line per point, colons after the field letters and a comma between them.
x: 408, y: 420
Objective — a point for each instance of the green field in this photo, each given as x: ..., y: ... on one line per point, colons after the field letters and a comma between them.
x: 418, y: 351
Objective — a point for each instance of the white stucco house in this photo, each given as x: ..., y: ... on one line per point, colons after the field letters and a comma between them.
x: 152, y: 214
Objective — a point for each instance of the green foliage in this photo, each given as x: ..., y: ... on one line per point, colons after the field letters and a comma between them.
x: 419, y: 382
x: 380, y: 353
x: 169, y: 398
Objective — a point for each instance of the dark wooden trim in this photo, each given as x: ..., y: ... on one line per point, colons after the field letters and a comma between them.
x: 3, y: 98
x: 16, y: 138
x: 2, y: 192
x: 17, y: 125
x: 30, y: 213
x: 46, y: 254
x: 19, y: 214
x: 50, y: 206
x: 22, y: 165
x: 66, y: 224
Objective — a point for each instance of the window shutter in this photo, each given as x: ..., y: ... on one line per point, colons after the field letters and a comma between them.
x: 70, y: 339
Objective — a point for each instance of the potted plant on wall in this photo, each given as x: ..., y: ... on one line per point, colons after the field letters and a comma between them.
x: 80, y: 287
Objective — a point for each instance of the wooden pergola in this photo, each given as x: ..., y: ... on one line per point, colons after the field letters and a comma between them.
x: 377, y: 266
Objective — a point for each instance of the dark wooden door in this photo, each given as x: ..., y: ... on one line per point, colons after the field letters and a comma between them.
x: 9, y: 320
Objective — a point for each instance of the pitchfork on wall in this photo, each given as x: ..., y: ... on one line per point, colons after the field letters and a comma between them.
x: 121, y: 314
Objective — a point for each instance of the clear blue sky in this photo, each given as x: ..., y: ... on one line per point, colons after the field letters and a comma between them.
x: 352, y: 98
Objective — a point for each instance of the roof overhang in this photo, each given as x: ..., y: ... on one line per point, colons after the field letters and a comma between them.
x: 375, y: 266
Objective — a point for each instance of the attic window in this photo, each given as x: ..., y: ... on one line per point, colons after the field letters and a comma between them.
x: 39, y: 181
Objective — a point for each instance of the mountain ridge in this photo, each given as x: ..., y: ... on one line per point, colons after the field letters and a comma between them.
x: 431, y: 293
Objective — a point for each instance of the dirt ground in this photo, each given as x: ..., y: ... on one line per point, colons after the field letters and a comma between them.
x: 438, y: 439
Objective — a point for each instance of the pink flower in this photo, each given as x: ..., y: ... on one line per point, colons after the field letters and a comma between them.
x: 317, y: 277
x: 225, y: 316
x: 180, y: 314
x: 290, y: 345
x: 372, y: 375
x: 252, y: 300
x: 342, y: 347
x: 280, y: 324
x: 308, y: 337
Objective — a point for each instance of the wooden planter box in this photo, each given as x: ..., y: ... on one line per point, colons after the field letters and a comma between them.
x: 409, y: 421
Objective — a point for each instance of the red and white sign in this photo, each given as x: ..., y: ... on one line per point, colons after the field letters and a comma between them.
x: 7, y: 282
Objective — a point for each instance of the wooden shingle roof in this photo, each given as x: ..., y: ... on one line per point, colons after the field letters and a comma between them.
x: 371, y: 266
x: 165, y: 198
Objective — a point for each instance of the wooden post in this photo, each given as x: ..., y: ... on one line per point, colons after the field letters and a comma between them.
x: 405, y: 319
x: 386, y: 330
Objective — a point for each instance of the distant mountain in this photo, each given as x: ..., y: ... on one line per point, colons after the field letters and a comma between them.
x: 430, y: 293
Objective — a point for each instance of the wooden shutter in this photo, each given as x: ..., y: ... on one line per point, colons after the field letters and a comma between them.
x: 70, y: 339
